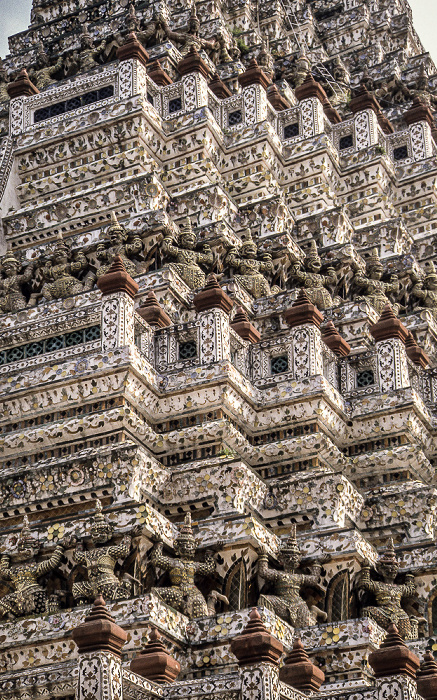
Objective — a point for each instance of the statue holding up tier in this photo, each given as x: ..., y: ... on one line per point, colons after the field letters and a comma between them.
x: 313, y: 282
x: 100, y: 562
x: 188, y: 259
x: 375, y: 291
x: 11, y: 293
x: 190, y: 38
x: 287, y: 602
x: 60, y: 273
x: 43, y: 74
x: 88, y: 53
x: 245, y: 260
x: 118, y: 244
x: 183, y: 594
x: 389, y: 595
x: 22, y: 572
x: 4, y: 96
x: 426, y: 290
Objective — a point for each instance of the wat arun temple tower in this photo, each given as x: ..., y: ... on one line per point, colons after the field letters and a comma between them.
x: 218, y: 352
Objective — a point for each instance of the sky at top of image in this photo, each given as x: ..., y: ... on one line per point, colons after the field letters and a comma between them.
x: 15, y: 16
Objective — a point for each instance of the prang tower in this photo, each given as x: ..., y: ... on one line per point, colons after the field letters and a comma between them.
x: 218, y: 348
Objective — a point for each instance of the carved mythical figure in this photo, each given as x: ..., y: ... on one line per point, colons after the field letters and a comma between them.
x: 4, y: 97
x: 11, y: 294
x: 301, y: 69
x: 191, y: 37
x: 22, y: 572
x: 188, y: 259
x: 388, y: 594
x: 287, y: 602
x: 422, y: 88
x: 60, y: 270
x: 100, y: 562
x: 88, y: 52
x: 426, y: 290
x: 118, y: 243
x: 43, y: 74
x: 313, y: 282
x: 183, y: 594
x: 245, y: 260
x: 375, y: 291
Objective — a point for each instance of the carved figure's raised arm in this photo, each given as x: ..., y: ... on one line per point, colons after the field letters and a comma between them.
x: 159, y: 559
x: 135, y: 246
x: 169, y: 247
x: 28, y: 273
x: 208, y: 566
x: 264, y: 571
x: 365, y: 582
x: 297, y: 273
x: 409, y: 587
x: 266, y: 265
x: 206, y: 257
x: 121, y: 550
x: 232, y: 258
x: 4, y: 567
x: 52, y: 563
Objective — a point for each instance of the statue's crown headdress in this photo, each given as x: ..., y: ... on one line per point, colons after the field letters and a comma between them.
x: 185, y: 531
x: 389, y: 554
x: 290, y: 546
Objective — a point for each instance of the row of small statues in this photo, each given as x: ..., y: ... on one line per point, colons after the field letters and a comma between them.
x: 48, y: 69
x: 222, y: 48
x: 62, y: 272
x: 22, y: 572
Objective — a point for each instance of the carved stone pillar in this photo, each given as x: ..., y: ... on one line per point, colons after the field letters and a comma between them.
x: 390, y: 335
x: 99, y: 641
x: 214, y: 336
x: 118, y: 316
x: 304, y: 319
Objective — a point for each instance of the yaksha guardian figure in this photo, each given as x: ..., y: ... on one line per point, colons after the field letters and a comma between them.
x: 389, y: 595
x: 60, y: 270
x: 22, y: 572
x: 375, y: 291
x: 183, y: 594
x: 287, y: 602
x: 188, y: 259
x: 117, y: 244
x: 426, y: 290
x: 189, y: 38
x: 245, y: 260
x: 11, y: 284
x: 313, y: 282
x: 100, y: 562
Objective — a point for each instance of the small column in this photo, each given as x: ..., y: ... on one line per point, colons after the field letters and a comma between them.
x: 154, y: 662
x: 415, y: 353
x: 132, y: 69
x: 254, y: 83
x: 243, y: 327
x: 255, y: 645
x: 332, y: 338
x: 311, y: 97
x: 427, y: 677
x: 213, y: 306
x: 420, y: 124
x: 18, y: 91
x: 99, y: 641
x: 299, y: 672
x: 390, y: 335
x: 393, y: 657
x: 118, y: 316
x: 304, y: 319
x: 195, y: 75
x: 366, y: 109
